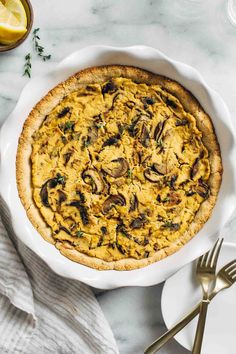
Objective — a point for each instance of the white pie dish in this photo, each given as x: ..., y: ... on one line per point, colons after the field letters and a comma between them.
x: 220, y: 325
x: 146, y: 58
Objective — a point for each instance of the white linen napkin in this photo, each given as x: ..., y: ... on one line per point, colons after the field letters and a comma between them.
x: 41, y: 312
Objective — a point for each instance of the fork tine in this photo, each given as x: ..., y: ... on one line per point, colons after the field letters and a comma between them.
x: 213, y: 258
x: 231, y: 268
x: 203, y: 259
x: 229, y: 265
x: 232, y: 274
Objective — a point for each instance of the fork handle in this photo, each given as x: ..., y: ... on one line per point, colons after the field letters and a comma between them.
x: 158, y: 344
x: 200, y: 327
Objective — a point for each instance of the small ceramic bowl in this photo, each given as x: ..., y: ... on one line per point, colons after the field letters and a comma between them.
x: 30, y: 17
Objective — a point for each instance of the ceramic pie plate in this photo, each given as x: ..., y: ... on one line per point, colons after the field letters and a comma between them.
x: 156, y: 62
x: 219, y: 336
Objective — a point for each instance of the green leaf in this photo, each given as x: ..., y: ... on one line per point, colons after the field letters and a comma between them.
x: 79, y: 233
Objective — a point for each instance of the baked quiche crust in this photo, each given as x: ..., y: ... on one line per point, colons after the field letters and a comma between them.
x: 101, y: 75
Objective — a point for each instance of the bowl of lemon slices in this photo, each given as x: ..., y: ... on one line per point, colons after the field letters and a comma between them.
x: 16, y: 19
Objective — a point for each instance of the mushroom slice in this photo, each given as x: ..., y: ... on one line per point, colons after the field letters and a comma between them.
x: 195, y: 166
x: 138, y: 222
x: 51, y: 183
x: 202, y: 189
x: 160, y: 168
x: 111, y: 201
x: 44, y: 195
x: 93, y: 134
x: 172, y: 199
x: 118, y: 168
x: 93, y: 178
x: 133, y: 202
x: 109, y: 87
x: 151, y: 175
x: 144, y: 136
x: 158, y: 130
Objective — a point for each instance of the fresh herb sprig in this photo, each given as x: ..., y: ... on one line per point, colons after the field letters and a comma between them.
x: 27, y: 66
x: 39, y: 48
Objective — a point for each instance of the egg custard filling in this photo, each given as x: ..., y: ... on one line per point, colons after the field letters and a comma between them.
x: 119, y: 169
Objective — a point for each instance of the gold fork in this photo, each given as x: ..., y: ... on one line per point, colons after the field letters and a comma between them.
x: 206, y: 269
x: 224, y: 279
x: 210, y: 258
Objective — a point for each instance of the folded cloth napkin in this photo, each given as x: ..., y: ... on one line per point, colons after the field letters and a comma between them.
x: 41, y: 312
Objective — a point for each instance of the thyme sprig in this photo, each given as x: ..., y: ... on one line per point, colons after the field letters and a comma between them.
x: 39, y: 48
x: 27, y: 66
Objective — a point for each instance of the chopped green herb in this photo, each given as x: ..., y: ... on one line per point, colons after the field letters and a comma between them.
x: 160, y: 143
x: 39, y: 49
x: 27, y: 66
x: 86, y: 142
x: 60, y: 179
x: 79, y: 233
x: 69, y: 125
x: 171, y: 225
x: 166, y: 199
x: 130, y: 173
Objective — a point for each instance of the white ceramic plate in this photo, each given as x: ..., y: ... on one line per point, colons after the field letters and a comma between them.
x: 182, y: 291
x: 153, y: 60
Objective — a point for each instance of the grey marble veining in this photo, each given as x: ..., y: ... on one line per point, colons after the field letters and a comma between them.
x: 195, y: 32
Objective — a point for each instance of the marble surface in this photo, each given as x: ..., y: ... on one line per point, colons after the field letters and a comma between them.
x: 196, y: 32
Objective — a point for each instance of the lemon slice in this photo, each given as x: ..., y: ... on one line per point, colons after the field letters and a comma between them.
x: 17, y: 9
x: 10, y: 28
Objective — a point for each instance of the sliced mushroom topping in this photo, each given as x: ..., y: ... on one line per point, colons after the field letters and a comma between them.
x: 170, y: 103
x: 120, y: 248
x: 62, y: 197
x: 62, y: 228
x: 144, y: 136
x: 172, y: 199
x: 51, y: 183
x: 194, y: 168
x: 172, y: 181
x: 63, y: 112
x: 138, y: 222
x: 132, y: 129
x: 109, y: 87
x: 202, y: 189
x: 81, y: 196
x: 133, y: 203
x: 118, y: 168
x: 151, y: 175
x: 82, y: 210
x: 93, y: 134
x: 158, y: 131
x: 171, y: 226
x: 44, y: 195
x: 121, y: 228
x: 113, y: 140
x: 148, y: 101
x: 112, y: 201
x: 181, y: 122
x: 93, y: 178
x: 67, y: 156
x: 160, y: 168
x: 104, y: 230
x: 190, y: 192
x: 91, y: 88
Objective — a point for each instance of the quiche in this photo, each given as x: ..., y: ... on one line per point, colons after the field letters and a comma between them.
x: 118, y: 167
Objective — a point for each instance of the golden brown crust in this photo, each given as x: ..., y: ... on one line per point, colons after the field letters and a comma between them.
x: 99, y: 75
